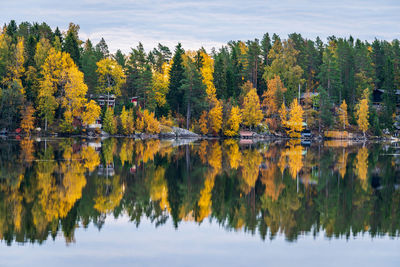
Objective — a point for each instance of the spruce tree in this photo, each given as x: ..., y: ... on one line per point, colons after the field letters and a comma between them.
x: 71, y: 46
x: 193, y: 91
x: 176, y: 76
x: 88, y: 66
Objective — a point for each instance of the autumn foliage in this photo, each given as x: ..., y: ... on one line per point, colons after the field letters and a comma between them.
x: 362, y: 112
x: 27, y: 122
x: 251, y: 111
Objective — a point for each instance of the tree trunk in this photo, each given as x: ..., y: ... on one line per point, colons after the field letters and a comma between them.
x: 188, y: 116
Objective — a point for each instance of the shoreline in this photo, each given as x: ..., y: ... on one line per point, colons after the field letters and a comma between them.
x: 202, y: 137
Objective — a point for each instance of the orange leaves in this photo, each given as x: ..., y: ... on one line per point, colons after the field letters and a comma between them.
x: 203, y: 123
x: 273, y: 96
x: 27, y: 122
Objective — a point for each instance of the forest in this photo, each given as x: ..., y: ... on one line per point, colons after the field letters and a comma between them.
x: 51, y: 82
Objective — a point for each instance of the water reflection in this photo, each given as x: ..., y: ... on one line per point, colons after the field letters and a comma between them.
x: 339, y: 188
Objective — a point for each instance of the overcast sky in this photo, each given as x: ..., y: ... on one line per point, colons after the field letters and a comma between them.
x: 209, y: 23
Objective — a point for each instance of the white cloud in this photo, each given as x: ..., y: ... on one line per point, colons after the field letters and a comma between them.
x: 210, y: 22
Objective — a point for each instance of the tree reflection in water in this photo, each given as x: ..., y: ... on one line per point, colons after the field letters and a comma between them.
x: 339, y: 188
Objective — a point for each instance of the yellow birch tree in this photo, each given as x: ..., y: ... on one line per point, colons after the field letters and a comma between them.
x: 362, y: 113
x: 343, y: 118
x: 251, y: 112
x: 295, y: 123
x: 233, y: 123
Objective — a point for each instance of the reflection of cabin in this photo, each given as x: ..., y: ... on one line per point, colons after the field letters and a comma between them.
x: 95, y: 145
x: 132, y: 169
x: 107, y: 170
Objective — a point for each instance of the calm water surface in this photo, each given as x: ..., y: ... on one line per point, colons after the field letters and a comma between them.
x: 149, y: 203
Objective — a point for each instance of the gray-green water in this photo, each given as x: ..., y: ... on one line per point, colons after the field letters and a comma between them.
x: 150, y: 203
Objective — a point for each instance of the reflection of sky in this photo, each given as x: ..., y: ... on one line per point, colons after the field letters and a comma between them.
x: 209, y: 22
x: 120, y: 243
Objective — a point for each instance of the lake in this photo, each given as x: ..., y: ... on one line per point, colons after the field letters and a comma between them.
x: 119, y: 202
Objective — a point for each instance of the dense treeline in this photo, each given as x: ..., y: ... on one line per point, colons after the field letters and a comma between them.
x: 47, y: 78
x: 51, y: 187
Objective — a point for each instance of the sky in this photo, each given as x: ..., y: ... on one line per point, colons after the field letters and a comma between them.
x: 208, y: 23
x: 121, y: 243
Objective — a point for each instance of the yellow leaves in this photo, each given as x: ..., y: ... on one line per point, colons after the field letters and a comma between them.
x: 233, y: 153
x: 147, y: 122
x: 42, y: 51
x: 91, y: 158
x: 60, y: 74
x: 343, y: 118
x: 207, y: 71
x: 252, y: 114
x: 139, y: 122
x: 273, y: 187
x: 111, y: 76
x: 215, y: 117
x: 362, y: 112
x: 108, y: 194
x: 159, y: 188
x: 152, y: 125
x: 295, y: 123
x: 361, y: 166
x: 27, y: 150
x: 167, y: 121
x: 215, y: 161
x: 203, y: 123
x: 53, y: 71
x: 283, y: 114
x: 215, y: 157
x: 27, y: 122
x: 293, y: 157
x: 66, y: 125
x: 161, y: 84
x: 202, y: 151
x: 57, y: 199
x: 342, y: 163
x: 126, y: 151
x: 250, y: 165
x: 127, y: 122
x: 273, y: 95
x: 92, y: 112
x: 74, y: 91
x: 205, y: 201
x: 109, y: 122
x: 146, y: 151
x: 16, y: 65
x: 233, y: 123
